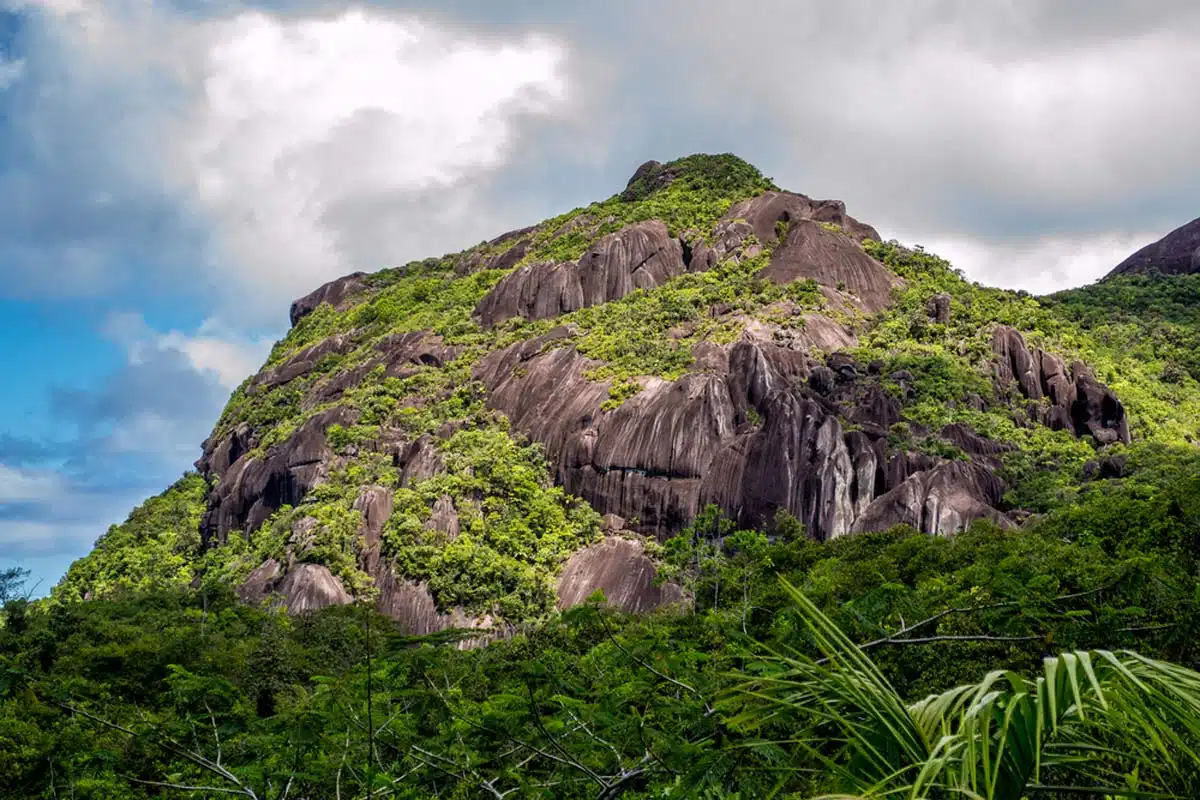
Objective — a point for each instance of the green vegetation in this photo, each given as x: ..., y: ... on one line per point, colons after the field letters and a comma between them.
x: 1092, y: 723
x: 515, y: 528
x: 156, y: 548
x: 649, y: 702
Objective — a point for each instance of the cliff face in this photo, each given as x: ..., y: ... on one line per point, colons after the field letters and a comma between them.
x: 1177, y: 253
x: 476, y: 439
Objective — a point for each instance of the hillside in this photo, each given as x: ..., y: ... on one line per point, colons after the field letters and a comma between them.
x: 482, y: 436
x: 818, y: 477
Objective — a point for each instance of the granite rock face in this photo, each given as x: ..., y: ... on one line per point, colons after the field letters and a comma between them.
x: 639, y: 256
x: 758, y: 436
x: 1177, y: 253
x: 335, y: 293
x: 618, y: 567
x: 251, y: 486
x: 1068, y: 398
x: 783, y: 417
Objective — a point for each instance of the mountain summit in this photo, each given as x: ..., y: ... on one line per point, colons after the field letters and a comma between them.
x: 1177, y: 253
x: 478, y: 438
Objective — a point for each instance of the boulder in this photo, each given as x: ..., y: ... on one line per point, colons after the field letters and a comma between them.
x: 942, y: 500
x: 1075, y: 400
x: 253, y: 487
x: 311, y: 587
x: 639, y: 256
x: 620, y: 568
x: 336, y: 292
x: 938, y: 308
x: 831, y: 258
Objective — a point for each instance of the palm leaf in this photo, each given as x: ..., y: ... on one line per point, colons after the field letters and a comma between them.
x: 1090, y: 720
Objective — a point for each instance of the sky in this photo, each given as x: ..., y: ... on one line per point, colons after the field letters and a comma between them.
x: 173, y: 173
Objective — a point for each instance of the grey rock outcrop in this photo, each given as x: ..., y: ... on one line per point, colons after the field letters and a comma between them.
x: 620, y: 568
x: 302, y: 588
x: 335, y: 293
x: 1074, y: 399
x: 831, y: 258
x: 249, y: 487
x: 639, y: 256
x: 941, y: 500
x: 1177, y: 253
x: 677, y: 446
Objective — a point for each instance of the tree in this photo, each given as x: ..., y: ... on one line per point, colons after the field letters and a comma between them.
x: 1094, y: 723
x: 12, y: 582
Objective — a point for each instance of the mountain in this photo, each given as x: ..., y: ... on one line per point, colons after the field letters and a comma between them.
x: 820, y: 478
x: 477, y: 439
x: 1177, y: 253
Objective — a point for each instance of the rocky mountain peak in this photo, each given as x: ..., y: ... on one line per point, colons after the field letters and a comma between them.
x: 1177, y: 253
x: 478, y: 438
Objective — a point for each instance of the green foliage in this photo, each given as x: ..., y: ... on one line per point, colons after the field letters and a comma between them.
x: 515, y: 528
x: 156, y: 548
x: 287, y: 697
x: 1091, y: 719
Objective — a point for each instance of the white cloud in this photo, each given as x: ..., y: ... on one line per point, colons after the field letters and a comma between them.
x: 1039, y: 265
x: 213, y: 348
x: 977, y: 117
x: 29, y: 486
x: 263, y: 154
x: 311, y: 136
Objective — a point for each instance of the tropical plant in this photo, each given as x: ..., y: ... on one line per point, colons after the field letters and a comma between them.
x: 1094, y: 723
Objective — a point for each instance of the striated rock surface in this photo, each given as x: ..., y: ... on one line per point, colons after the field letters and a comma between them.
x: 1177, y: 253
x: 678, y: 446
x: 334, y: 293
x: 1073, y: 399
x: 639, y: 256
x: 620, y: 568
x: 250, y: 487
x: 941, y: 500
x: 831, y: 258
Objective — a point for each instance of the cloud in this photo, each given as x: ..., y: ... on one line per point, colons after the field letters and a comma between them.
x: 963, y: 117
x: 313, y: 137
x: 215, y: 348
x: 259, y: 153
x: 27, y: 486
x: 1037, y: 265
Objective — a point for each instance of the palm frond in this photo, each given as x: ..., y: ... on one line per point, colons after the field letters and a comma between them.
x: 1092, y: 721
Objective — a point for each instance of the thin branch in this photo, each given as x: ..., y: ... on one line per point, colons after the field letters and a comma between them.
x: 185, y: 788
x: 644, y: 665
x: 964, y: 638
x: 171, y: 745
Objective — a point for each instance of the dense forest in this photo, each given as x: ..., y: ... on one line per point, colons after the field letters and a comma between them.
x: 976, y: 583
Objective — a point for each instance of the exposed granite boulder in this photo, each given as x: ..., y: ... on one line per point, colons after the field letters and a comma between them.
x: 311, y: 587
x: 503, y: 252
x: 639, y: 256
x: 938, y: 308
x: 831, y: 258
x: 252, y: 487
x: 401, y: 351
x: 302, y: 588
x: 620, y: 568
x: 942, y: 500
x: 335, y: 293
x: 1177, y: 253
x: 971, y: 443
x: 302, y: 362
x: 1075, y: 400
x: 259, y: 584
